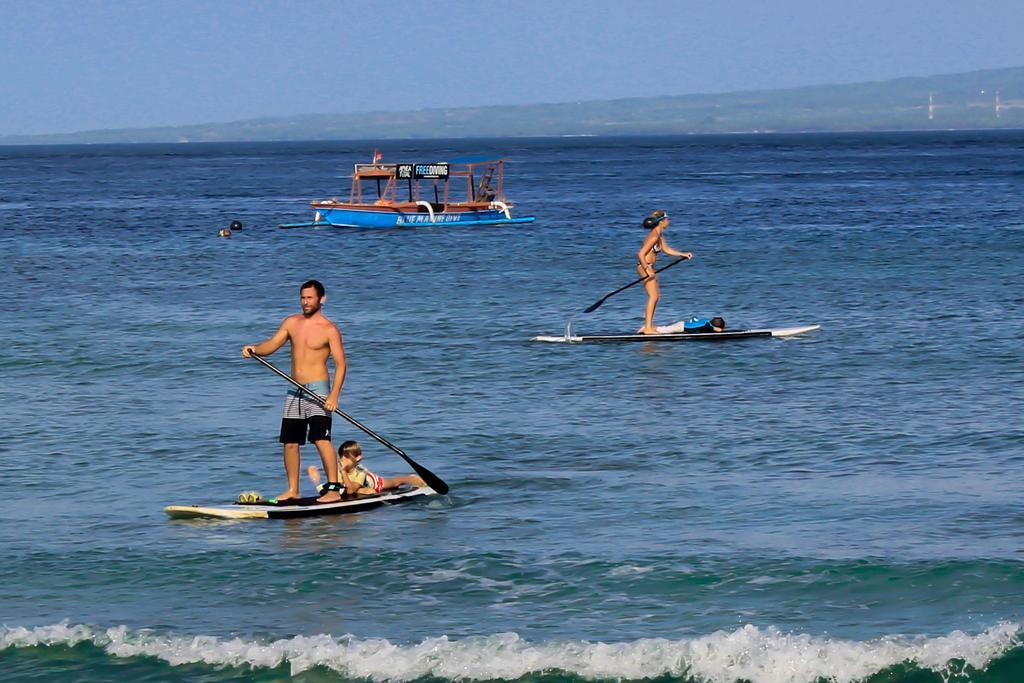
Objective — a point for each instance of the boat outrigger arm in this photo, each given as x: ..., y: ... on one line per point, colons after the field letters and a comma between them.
x: 463, y: 191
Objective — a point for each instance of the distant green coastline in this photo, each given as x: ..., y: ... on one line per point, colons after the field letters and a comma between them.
x: 991, y: 98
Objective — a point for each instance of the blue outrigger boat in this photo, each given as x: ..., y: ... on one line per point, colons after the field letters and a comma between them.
x: 463, y: 191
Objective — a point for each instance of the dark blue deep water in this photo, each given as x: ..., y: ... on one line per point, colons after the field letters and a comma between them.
x: 843, y: 506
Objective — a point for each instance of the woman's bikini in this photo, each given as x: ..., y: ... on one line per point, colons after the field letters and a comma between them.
x: 641, y: 267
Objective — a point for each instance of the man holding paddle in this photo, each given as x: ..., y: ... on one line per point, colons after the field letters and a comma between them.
x: 313, y: 338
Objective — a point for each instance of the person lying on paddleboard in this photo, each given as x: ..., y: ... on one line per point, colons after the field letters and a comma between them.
x: 654, y: 244
x: 356, y: 478
x: 694, y: 326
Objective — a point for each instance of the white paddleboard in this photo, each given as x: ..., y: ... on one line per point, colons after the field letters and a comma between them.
x: 698, y: 336
x: 303, y: 507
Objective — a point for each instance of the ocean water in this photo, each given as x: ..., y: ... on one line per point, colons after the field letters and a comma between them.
x: 843, y: 506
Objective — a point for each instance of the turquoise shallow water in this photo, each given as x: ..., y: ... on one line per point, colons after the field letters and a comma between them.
x: 841, y: 506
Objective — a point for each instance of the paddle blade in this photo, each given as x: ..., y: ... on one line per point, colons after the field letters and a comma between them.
x: 431, y: 479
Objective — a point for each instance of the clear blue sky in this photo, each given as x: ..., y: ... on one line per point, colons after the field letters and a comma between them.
x: 87, y: 64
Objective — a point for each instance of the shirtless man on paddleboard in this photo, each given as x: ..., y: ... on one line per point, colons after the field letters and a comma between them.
x: 313, y: 338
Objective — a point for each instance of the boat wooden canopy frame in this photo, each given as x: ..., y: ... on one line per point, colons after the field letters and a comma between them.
x: 410, y: 179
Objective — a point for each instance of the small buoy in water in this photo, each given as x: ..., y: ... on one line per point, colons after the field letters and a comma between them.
x: 224, y: 232
x: 236, y: 225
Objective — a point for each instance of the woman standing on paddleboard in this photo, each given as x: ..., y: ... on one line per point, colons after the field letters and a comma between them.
x: 654, y: 243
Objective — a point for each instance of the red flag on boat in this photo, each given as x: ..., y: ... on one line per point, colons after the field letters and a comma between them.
x: 377, y: 156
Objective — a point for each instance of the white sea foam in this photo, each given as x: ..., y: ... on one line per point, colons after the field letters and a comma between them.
x: 749, y: 653
x: 629, y: 570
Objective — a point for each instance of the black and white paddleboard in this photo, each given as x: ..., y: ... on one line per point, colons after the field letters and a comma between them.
x: 303, y: 507
x: 689, y: 336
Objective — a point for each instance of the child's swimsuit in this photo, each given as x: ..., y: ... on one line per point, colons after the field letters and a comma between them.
x: 366, y: 479
x: 698, y: 325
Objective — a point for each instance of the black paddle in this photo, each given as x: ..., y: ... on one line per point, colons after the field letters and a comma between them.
x: 593, y: 307
x: 432, y: 480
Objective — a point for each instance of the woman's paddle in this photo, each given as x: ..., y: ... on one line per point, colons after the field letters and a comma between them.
x: 432, y: 480
x: 593, y: 307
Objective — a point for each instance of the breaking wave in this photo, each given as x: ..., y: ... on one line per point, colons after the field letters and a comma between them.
x: 746, y: 654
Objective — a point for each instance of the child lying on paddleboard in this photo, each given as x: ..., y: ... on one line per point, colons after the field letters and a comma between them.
x: 356, y: 478
x: 694, y: 326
